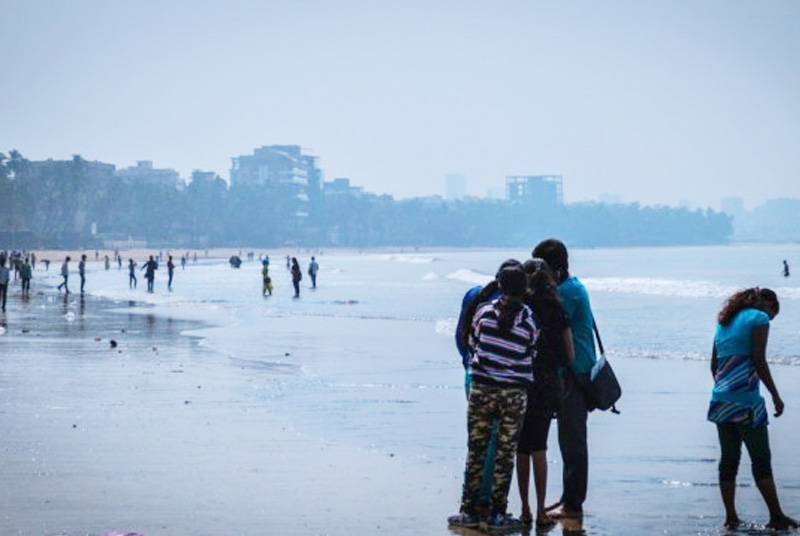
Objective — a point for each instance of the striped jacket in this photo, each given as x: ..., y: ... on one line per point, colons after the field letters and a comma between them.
x: 504, y: 360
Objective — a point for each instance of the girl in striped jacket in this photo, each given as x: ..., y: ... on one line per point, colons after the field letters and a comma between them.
x: 502, y: 343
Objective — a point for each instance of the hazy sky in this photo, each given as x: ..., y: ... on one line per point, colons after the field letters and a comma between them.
x: 653, y: 101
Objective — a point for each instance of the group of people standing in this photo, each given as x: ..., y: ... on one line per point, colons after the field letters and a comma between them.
x: 294, y: 269
x: 524, y: 339
x: 149, y: 268
x: 527, y: 344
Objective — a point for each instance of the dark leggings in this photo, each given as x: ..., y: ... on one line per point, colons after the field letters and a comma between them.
x: 756, y: 439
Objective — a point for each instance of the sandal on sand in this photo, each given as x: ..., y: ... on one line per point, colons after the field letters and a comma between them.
x: 526, y: 517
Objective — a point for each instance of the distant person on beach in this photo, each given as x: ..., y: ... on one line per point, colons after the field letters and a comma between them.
x: 502, y: 339
x: 554, y: 351
x: 82, y: 271
x: 267, y: 281
x: 313, y: 268
x: 25, y: 274
x: 150, y: 268
x: 107, y: 262
x: 5, y: 275
x: 288, y: 262
x: 183, y: 263
x: 297, y: 276
x: 131, y: 273
x: 33, y: 261
x: 738, y: 365
x: 46, y: 264
x: 573, y: 411
x: 16, y: 263
x: 785, y: 268
x: 65, y: 275
x: 170, y: 272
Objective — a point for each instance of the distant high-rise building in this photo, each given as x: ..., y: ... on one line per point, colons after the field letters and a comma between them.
x: 540, y: 190
x: 144, y: 173
x: 283, y: 169
x: 203, y: 176
x: 455, y: 186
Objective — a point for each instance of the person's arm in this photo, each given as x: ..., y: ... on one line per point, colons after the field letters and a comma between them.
x: 568, y: 345
x: 760, y: 336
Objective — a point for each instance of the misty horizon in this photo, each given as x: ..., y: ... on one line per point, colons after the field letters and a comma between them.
x: 660, y: 103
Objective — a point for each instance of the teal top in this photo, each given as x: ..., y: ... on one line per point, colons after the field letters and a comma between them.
x: 575, y: 300
x: 737, y: 337
x: 736, y: 397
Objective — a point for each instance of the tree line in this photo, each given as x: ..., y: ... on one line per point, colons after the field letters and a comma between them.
x: 80, y: 204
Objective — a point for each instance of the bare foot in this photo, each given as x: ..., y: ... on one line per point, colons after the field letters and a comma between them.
x: 782, y: 522
x: 544, y: 521
x: 732, y: 523
x: 526, y: 516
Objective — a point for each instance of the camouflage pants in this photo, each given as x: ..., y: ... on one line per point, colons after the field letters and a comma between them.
x: 507, y: 407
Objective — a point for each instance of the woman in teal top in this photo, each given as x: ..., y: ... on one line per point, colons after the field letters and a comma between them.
x: 739, y: 364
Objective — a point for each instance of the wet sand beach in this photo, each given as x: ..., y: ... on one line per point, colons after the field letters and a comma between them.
x: 162, y: 436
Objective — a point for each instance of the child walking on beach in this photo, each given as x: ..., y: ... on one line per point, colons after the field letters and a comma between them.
x: 502, y: 343
x: 739, y: 364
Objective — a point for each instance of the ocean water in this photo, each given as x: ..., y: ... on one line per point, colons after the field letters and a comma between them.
x: 368, y: 360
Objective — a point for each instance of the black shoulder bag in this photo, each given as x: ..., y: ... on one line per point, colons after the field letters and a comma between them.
x: 603, y: 389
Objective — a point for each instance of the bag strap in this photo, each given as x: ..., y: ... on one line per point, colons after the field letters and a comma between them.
x: 597, y: 334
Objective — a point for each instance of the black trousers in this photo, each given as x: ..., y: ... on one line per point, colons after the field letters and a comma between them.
x: 572, y: 441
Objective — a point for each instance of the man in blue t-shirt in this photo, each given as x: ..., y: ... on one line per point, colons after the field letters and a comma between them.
x: 573, y: 412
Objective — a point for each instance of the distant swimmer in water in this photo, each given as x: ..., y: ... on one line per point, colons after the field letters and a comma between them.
x: 785, y: 268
